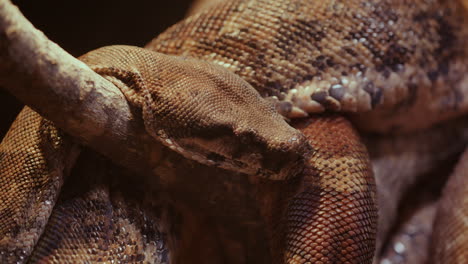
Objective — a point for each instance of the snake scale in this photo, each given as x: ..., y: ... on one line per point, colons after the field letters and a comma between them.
x: 216, y: 89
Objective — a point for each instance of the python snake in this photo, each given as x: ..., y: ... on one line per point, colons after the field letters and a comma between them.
x: 395, y: 66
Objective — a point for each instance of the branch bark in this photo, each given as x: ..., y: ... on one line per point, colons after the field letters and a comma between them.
x: 63, y: 89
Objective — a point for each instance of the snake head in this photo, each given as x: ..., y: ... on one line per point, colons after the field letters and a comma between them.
x: 204, y: 112
x: 211, y: 115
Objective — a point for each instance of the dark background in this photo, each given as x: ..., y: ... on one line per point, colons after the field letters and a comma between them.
x: 81, y: 26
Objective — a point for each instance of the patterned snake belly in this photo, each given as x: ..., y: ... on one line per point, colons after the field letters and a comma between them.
x: 211, y: 89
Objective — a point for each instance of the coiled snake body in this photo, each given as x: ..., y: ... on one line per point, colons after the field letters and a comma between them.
x: 207, y: 89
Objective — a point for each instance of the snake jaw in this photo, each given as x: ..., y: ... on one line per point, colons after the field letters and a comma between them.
x: 244, y: 152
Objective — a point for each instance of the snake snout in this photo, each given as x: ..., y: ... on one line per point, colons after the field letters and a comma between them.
x: 287, y: 157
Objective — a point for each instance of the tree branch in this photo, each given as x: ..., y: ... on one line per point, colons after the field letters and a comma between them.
x: 63, y: 89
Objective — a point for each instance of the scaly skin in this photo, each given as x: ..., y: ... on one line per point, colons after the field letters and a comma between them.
x: 449, y: 239
x: 405, y: 60
x: 391, y: 57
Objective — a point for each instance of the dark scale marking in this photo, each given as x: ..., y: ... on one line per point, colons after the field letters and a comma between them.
x: 350, y: 51
x: 447, y: 39
x: 374, y: 49
x: 421, y: 17
x: 140, y: 257
x: 284, y: 107
x: 311, y: 28
x: 386, y: 73
x: 320, y: 58
x: 244, y: 30
x: 444, y: 36
x: 374, y: 92
x: 286, y: 42
x: 294, y: 34
x: 319, y: 96
x: 285, y: 47
x: 395, y: 56
x: 274, y: 86
x: 308, y: 77
x: 252, y: 44
x: 155, y: 96
x: 385, y: 12
x: 353, y: 35
x: 337, y: 91
x: 323, y: 62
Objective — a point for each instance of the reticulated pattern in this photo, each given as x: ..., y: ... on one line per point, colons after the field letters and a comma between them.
x: 333, y: 218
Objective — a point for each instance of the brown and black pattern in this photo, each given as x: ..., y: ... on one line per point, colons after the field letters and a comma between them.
x: 101, y: 218
x: 332, y: 218
x: 306, y: 56
x: 35, y: 158
x: 355, y: 56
